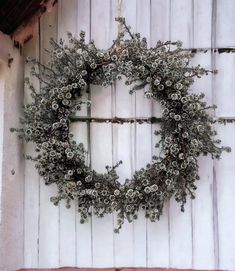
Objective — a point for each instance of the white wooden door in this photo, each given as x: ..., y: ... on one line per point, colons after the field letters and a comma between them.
x: 203, y: 237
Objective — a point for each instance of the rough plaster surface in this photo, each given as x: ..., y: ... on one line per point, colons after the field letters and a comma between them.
x: 5, y: 48
x: 11, y: 227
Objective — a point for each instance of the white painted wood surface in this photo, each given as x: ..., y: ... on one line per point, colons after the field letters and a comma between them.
x: 1, y: 135
x: 202, y: 237
x: 12, y: 168
x: 32, y: 184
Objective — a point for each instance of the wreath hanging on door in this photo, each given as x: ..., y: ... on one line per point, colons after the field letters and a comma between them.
x: 186, y: 129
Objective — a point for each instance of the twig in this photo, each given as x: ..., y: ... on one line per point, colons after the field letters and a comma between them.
x: 213, y: 50
x: 116, y: 120
x: 226, y: 120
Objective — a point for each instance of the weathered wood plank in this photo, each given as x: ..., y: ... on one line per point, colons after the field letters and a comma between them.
x: 83, y: 231
x: 202, y: 206
x: 102, y: 229
x: 49, y: 214
x: 181, y: 28
x: 2, y: 81
x: 124, y: 241
x: 202, y: 17
x: 181, y: 25
x: 225, y: 171
x: 158, y: 232
x: 124, y: 143
x: 67, y: 16
x: 142, y: 137
x: 12, y: 175
x: 224, y: 85
x: 224, y: 23
x: 101, y: 135
x: 32, y: 185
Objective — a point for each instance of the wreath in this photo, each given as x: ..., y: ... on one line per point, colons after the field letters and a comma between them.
x: 186, y: 128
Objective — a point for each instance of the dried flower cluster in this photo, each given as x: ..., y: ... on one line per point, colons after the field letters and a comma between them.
x: 186, y: 128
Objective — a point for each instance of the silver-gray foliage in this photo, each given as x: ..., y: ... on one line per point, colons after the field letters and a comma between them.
x: 186, y: 130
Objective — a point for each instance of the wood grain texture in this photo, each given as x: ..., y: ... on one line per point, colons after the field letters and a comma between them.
x: 32, y: 185
x: 158, y: 233
x: 84, y: 246
x: 202, y: 206
x: 49, y: 238
x: 101, y: 135
x: 142, y: 137
x: 225, y: 170
x: 224, y: 83
x: 124, y: 146
x: 12, y: 174
x: 224, y: 22
x: 67, y: 217
x: 181, y: 243
x: 202, y: 19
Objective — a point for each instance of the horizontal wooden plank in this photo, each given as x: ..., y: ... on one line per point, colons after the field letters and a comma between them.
x: 202, y: 18
x: 224, y: 23
x: 224, y: 174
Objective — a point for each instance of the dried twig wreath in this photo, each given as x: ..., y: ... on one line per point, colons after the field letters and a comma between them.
x: 186, y: 127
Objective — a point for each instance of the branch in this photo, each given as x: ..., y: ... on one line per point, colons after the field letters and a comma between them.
x: 116, y: 120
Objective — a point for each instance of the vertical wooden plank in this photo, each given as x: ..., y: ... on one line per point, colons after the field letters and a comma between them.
x: 225, y: 170
x: 181, y: 23
x: 11, y: 255
x: 49, y: 214
x: 31, y: 198
x: 101, y: 135
x: 2, y: 92
x: 181, y: 28
x: 202, y: 206
x: 124, y: 142
x: 142, y: 137
x: 157, y: 232
x: 2, y: 81
x: 202, y: 17
x: 124, y: 241
x: 215, y: 185
x: 160, y: 21
x: 83, y: 231
x: 225, y: 23
x: 67, y: 15
x: 224, y: 83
